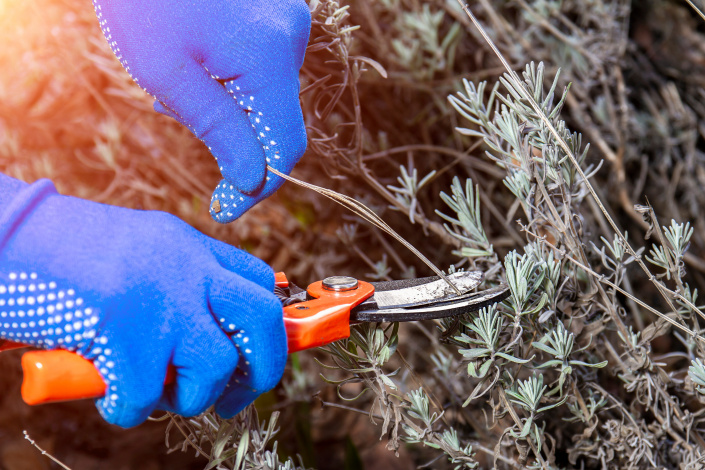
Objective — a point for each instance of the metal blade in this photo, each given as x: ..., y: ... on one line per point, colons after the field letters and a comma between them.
x: 429, y: 293
x: 457, y: 306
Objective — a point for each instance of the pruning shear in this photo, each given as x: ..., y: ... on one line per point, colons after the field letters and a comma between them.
x: 318, y: 315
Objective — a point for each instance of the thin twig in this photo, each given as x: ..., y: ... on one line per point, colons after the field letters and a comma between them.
x: 702, y: 15
x: 349, y: 408
x: 188, y: 437
x: 367, y: 214
x: 517, y: 421
x: 44, y: 452
x: 602, y: 279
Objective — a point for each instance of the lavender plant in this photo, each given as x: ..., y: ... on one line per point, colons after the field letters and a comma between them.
x: 523, y: 383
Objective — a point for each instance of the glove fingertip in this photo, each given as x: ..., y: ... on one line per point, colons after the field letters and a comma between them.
x: 238, y: 261
x: 249, y: 173
x: 234, y: 400
x: 266, y: 276
x: 224, y: 203
x: 228, y: 204
x: 238, y: 150
x: 117, y: 415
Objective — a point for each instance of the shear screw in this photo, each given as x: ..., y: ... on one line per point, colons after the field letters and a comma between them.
x: 340, y: 283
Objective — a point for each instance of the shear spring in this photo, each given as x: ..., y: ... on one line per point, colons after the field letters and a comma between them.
x: 284, y: 297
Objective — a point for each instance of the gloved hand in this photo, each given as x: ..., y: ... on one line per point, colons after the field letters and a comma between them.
x: 133, y: 291
x: 226, y: 69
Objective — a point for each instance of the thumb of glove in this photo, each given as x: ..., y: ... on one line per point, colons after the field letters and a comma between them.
x: 276, y: 117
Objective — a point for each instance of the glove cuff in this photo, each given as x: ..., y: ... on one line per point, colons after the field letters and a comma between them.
x: 25, y: 201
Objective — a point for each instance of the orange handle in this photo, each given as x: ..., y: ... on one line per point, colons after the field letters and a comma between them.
x: 60, y: 375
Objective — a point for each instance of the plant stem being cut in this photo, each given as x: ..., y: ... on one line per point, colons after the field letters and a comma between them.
x: 367, y: 214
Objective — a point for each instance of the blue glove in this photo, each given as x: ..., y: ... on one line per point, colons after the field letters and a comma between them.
x: 226, y: 69
x: 134, y: 291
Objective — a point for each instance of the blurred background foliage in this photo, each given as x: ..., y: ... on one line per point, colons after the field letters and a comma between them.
x: 375, y: 87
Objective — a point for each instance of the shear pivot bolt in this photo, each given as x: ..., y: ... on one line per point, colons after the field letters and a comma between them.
x: 340, y: 283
